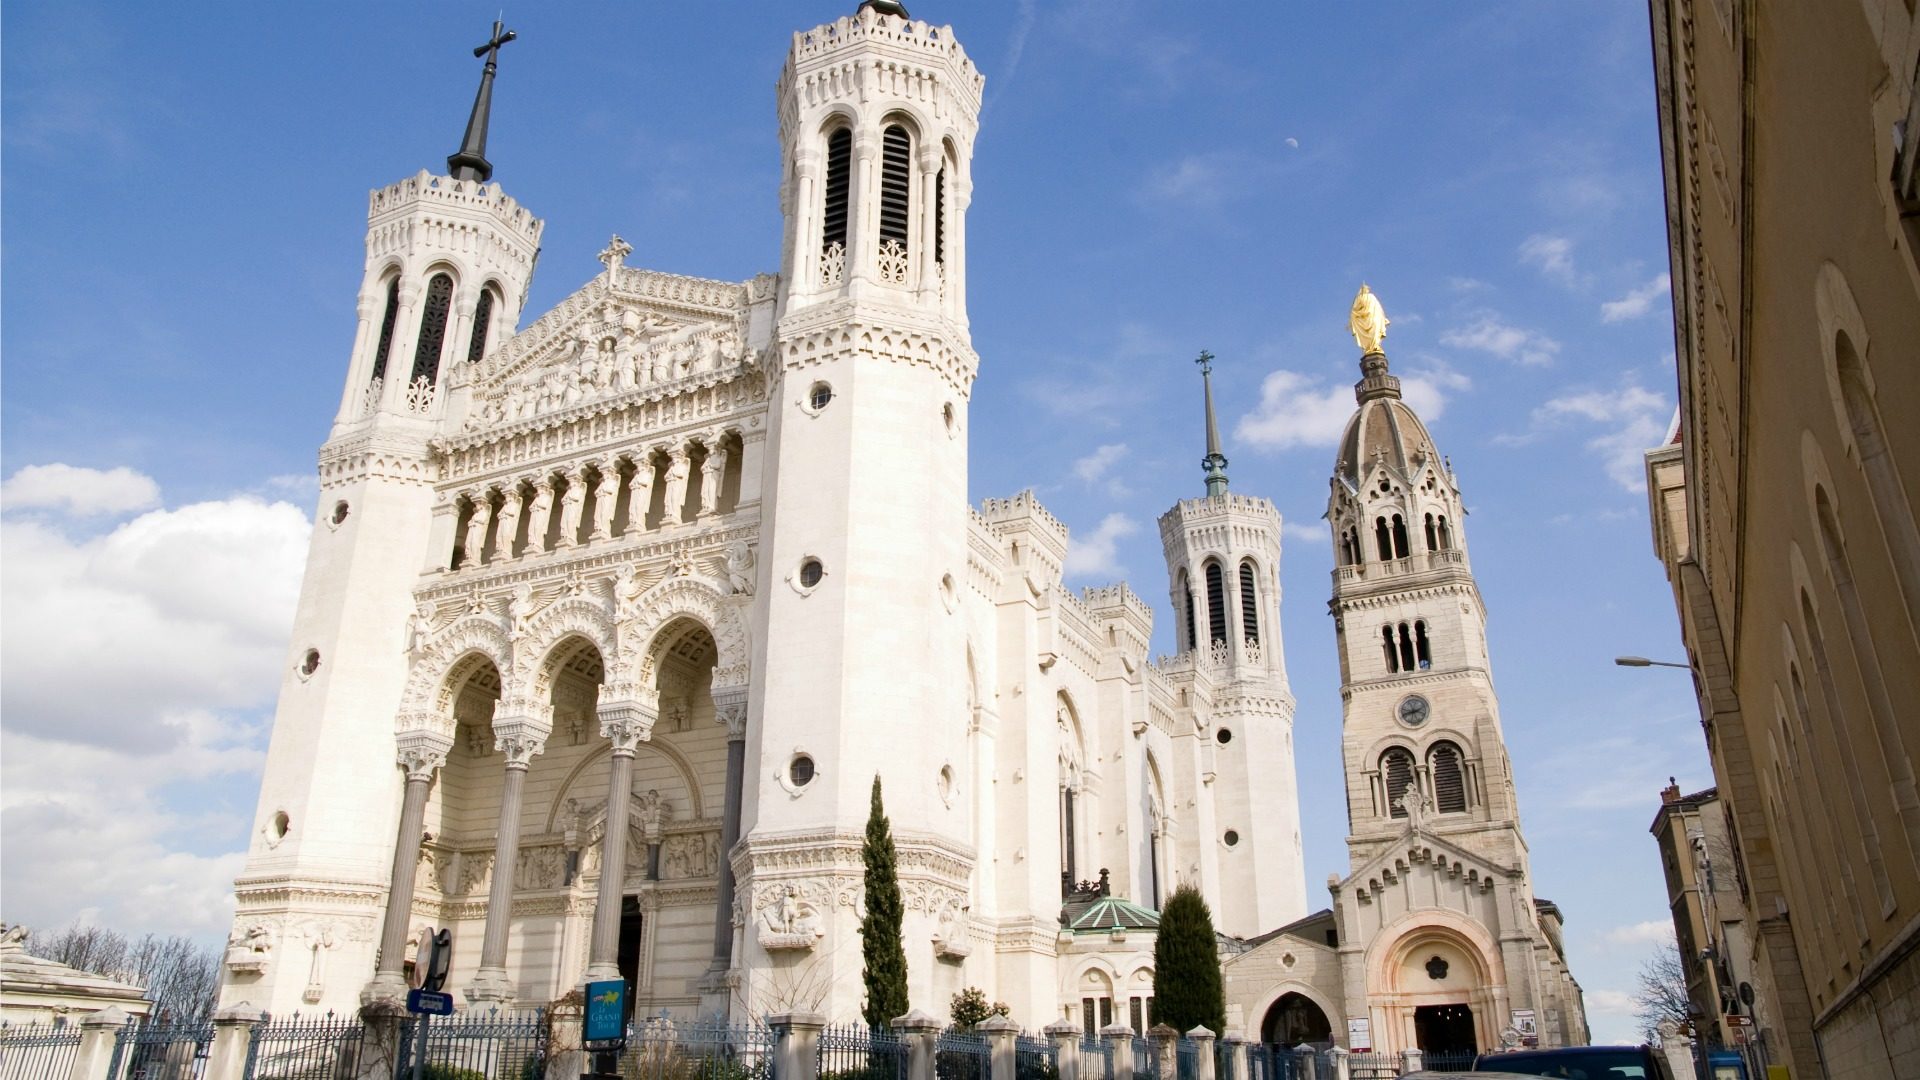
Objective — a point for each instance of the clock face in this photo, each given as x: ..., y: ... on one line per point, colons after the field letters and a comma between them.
x: 1413, y: 710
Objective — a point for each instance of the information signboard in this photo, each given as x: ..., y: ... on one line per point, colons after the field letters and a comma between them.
x: 605, y: 1023
x: 1359, y: 1034
x: 426, y: 1001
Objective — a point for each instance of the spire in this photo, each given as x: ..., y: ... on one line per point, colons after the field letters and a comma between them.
x: 1215, y: 462
x: 885, y: 7
x: 470, y: 162
x: 1367, y: 322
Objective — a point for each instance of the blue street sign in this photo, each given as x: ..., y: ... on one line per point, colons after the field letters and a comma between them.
x: 426, y: 1001
x: 606, y: 1018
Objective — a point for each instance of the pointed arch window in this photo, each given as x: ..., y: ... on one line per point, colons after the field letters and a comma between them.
x: 1449, y: 778
x: 1249, y: 604
x: 896, y: 184
x: 839, y: 187
x: 1396, y: 772
x: 433, y: 329
x: 1216, y: 603
x: 482, y: 322
x: 386, y: 329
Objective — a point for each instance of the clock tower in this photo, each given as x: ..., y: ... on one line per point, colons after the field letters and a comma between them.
x: 1421, y: 738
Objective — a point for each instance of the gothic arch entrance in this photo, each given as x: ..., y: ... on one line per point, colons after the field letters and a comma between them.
x: 1295, y: 1019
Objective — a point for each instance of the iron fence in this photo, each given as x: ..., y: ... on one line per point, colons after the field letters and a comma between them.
x: 304, y: 1048
x: 1146, y: 1064
x: 1033, y: 1059
x: 1456, y: 1061
x: 1373, y: 1066
x: 494, y: 1045
x: 1096, y: 1058
x: 1186, y: 1058
x: 38, y: 1051
x: 160, y: 1050
x: 663, y: 1049
x: 858, y: 1052
x: 962, y: 1055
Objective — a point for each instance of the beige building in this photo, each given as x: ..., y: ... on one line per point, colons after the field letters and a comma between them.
x: 1784, y: 509
x: 35, y: 990
x: 1709, y: 921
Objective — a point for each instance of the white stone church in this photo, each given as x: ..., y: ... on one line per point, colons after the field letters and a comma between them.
x: 609, y: 623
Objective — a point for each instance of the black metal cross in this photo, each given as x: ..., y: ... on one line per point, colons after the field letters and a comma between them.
x: 491, y: 50
x: 1206, y: 362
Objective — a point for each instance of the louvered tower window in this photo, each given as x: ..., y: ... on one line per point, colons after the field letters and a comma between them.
x: 482, y: 320
x: 940, y: 216
x: 386, y: 329
x: 1396, y: 771
x: 1249, y: 605
x: 1449, y: 779
x: 1216, y: 603
x: 896, y: 181
x: 1193, y: 632
x: 433, y: 329
x: 833, y: 228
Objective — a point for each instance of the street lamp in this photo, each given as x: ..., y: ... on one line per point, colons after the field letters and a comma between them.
x: 1641, y: 661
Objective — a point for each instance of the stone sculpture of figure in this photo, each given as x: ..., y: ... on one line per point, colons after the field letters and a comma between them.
x: 553, y: 389
x: 13, y: 935
x: 678, y: 469
x: 540, y: 515
x: 475, y: 544
x: 653, y: 812
x: 519, y: 609
x: 639, y: 493
x: 509, y: 523
x: 791, y: 915
x: 1368, y: 321
x: 570, y: 505
x: 419, y: 628
x: 1414, y: 803
x: 712, y: 471
x: 605, y: 492
x: 740, y: 567
x: 626, y: 594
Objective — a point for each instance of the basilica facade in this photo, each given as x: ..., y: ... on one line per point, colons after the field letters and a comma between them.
x: 610, y: 623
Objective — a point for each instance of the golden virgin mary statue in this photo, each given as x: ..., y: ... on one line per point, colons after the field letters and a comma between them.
x: 1368, y: 321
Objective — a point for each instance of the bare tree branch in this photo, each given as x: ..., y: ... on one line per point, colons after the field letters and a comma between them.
x: 1663, y: 991
x: 181, y: 976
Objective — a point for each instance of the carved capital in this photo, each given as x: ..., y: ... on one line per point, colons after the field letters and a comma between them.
x: 730, y: 708
x: 421, y: 752
x: 627, y: 723
x: 520, y: 738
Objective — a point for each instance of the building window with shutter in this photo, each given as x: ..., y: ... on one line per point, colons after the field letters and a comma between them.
x: 433, y: 330
x: 1216, y: 603
x: 1449, y: 778
x: 833, y: 217
x: 482, y: 322
x: 1396, y: 772
x: 1249, y: 604
x: 386, y: 329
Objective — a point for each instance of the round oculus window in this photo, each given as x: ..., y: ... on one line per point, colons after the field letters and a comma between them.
x: 1413, y: 710
x: 800, y: 771
x: 1223, y: 736
x: 818, y: 396
x: 811, y: 572
x: 1232, y: 838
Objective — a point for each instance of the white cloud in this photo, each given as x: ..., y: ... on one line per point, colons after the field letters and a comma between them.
x: 1651, y: 932
x: 1096, y: 554
x: 1306, y: 533
x: 1195, y: 179
x: 1094, y: 468
x: 1298, y: 410
x: 1637, y: 302
x: 79, y: 491
x: 1553, y: 255
x: 1489, y: 333
x: 1636, y: 417
x: 139, y: 664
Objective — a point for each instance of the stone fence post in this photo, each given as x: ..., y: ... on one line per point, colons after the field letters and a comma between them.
x: 382, y: 1026
x: 1342, y: 1069
x: 1236, y: 1044
x: 232, y: 1038
x: 1166, y: 1059
x: 1203, y: 1064
x: 1001, y: 1033
x: 922, y: 1033
x: 1412, y: 1060
x: 1065, y: 1036
x: 1309, y: 1062
x: 796, y: 1047
x: 93, y: 1059
x: 1120, y: 1038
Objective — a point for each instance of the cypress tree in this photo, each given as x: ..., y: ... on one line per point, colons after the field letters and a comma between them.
x: 884, y: 967
x: 1187, y: 988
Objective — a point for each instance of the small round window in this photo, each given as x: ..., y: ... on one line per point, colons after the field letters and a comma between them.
x: 1232, y: 838
x: 339, y: 512
x: 281, y: 823
x: 1224, y: 736
x: 311, y: 662
x: 819, y: 396
x: 800, y: 771
x: 811, y: 572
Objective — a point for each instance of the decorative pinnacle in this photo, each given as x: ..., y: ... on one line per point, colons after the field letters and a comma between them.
x: 470, y: 162
x: 1215, y: 463
x: 1367, y: 322
x: 615, y: 254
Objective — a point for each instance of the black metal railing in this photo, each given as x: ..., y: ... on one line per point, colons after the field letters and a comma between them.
x: 962, y: 1055
x: 1457, y: 1061
x: 38, y: 1051
x: 304, y: 1048
x: 1096, y: 1059
x: 491, y: 1045
x: 160, y: 1050
x: 858, y: 1052
x: 663, y: 1049
x: 1033, y: 1059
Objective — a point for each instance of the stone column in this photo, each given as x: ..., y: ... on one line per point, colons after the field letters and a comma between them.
x: 421, y: 752
x: 1203, y: 1063
x: 796, y: 1047
x: 922, y: 1035
x: 863, y: 207
x: 232, y: 1038
x: 1309, y: 1063
x: 519, y: 738
x: 93, y: 1058
x: 1342, y: 1068
x: 1120, y: 1038
x: 1065, y: 1036
x: 626, y: 725
x: 1236, y: 1045
x: 730, y: 708
x: 1001, y: 1033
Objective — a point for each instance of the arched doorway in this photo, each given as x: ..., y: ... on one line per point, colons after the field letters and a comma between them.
x: 1295, y: 1019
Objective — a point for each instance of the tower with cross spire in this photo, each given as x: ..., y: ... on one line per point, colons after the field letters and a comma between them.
x: 1223, y: 566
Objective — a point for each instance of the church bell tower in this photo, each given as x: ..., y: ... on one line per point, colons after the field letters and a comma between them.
x: 866, y: 521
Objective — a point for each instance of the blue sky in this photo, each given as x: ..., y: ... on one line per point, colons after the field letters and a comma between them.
x: 184, y: 198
